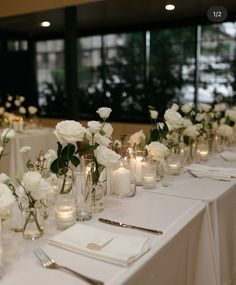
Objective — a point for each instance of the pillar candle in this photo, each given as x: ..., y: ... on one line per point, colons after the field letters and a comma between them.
x: 121, y: 181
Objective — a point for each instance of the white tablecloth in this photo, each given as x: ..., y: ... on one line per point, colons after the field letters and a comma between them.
x: 183, y: 255
x: 38, y: 139
x: 220, y: 198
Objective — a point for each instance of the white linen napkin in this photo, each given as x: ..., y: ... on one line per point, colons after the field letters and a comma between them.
x: 218, y: 173
x: 228, y: 155
x: 111, y: 247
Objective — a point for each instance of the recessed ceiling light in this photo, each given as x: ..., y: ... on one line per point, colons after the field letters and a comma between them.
x: 45, y: 24
x: 170, y: 7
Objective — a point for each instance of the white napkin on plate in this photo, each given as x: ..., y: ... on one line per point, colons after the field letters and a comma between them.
x: 100, y: 244
x: 218, y: 173
x: 228, y: 155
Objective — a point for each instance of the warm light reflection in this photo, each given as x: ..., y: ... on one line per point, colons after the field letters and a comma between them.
x: 45, y: 24
x: 170, y: 7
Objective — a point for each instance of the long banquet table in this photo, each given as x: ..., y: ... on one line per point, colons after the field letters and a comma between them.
x: 183, y: 255
x: 38, y: 139
x: 220, y: 199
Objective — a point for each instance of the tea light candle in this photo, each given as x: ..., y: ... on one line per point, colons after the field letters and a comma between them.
x: 149, y: 182
x: 174, y: 168
x: 203, y: 154
x: 65, y: 217
x: 121, y: 181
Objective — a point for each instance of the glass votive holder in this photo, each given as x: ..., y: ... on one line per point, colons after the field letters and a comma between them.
x: 65, y: 209
x: 139, y: 161
x: 174, y: 164
x: 203, y: 151
x: 149, y: 176
x: 123, y: 180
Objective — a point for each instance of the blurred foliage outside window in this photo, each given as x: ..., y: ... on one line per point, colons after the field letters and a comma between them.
x: 129, y: 71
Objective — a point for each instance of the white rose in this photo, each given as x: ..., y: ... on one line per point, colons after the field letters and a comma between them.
x: 205, y: 107
x: 186, y: 108
x: 1, y: 149
x: 7, y: 134
x: 153, y: 114
x: 215, y: 126
x: 106, y: 156
x: 17, y: 103
x: 187, y: 123
x: 6, y: 199
x: 200, y: 117
x: 137, y: 138
x: 222, y: 121
x: 25, y: 149
x: 192, y: 131
x: 160, y: 125
x: 2, y: 110
x: 32, y: 110
x: 220, y: 107
x: 36, y: 185
x: 22, y: 110
x: 22, y: 99
x: 94, y: 126
x: 50, y: 156
x: 108, y: 130
x: 104, y: 112
x: 231, y: 114
x: 4, y: 178
x: 69, y: 131
x: 175, y: 107
x: 225, y: 131
x: 157, y: 150
x: 173, y: 119
x: 9, y: 98
x: 8, y: 105
x: 101, y: 140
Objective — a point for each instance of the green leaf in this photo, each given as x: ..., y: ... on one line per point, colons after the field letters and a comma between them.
x: 55, y: 166
x: 86, y: 149
x: 75, y: 160
x: 67, y: 152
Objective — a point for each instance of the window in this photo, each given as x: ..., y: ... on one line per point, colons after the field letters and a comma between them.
x: 50, y: 78
x: 172, y: 66
x: 89, y: 74
x: 217, y: 62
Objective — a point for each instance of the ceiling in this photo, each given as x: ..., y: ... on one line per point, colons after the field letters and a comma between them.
x: 112, y: 14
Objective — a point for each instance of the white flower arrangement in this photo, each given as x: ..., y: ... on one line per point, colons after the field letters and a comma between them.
x: 157, y: 151
x: 193, y: 131
x: 225, y: 131
x: 173, y: 119
x: 137, y: 139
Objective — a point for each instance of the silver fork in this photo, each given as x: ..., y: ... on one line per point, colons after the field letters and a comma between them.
x: 47, y: 262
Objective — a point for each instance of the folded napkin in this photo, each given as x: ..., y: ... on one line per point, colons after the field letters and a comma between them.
x: 228, y: 155
x: 100, y: 244
x: 218, y: 173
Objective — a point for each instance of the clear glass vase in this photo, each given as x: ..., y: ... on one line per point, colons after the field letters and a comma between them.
x: 32, y: 228
x: 99, y: 192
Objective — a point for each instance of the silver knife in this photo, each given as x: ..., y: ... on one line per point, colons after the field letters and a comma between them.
x: 113, y: 223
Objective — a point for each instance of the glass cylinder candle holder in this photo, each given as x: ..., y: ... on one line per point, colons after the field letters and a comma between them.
x: 149, y: 176
x: 123, y: 180
x: 203, y: 151
x: 139, y: 161
x: 65, y: 210
x: 174, y: 164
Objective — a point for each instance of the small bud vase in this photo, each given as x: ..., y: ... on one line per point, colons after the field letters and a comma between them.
x: 32, y: 228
